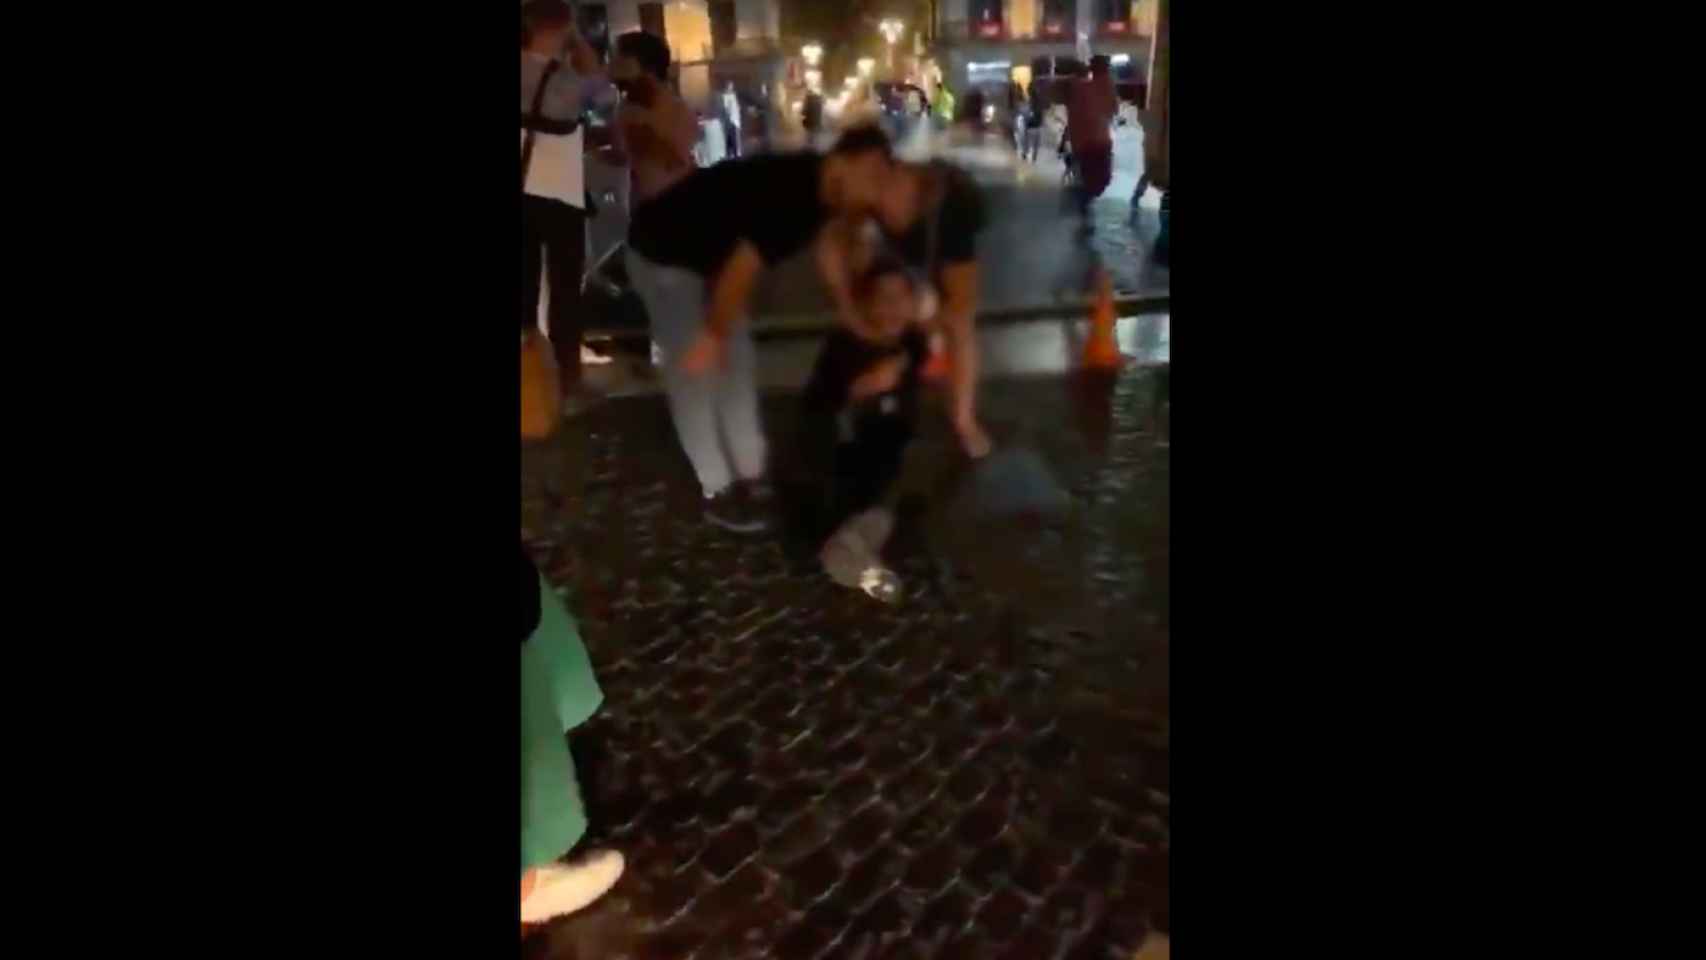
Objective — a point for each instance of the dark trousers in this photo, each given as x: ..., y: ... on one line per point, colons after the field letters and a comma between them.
x: 553, y: 237
x: 1095, y: 167
x: 828, y: 480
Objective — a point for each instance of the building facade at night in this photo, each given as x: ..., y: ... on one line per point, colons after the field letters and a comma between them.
x: 988, y: 43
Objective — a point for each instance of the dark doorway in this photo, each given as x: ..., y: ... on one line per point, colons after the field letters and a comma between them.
x: 724, y: 27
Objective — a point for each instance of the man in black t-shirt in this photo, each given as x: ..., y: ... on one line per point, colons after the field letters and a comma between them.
x: 695, y: 253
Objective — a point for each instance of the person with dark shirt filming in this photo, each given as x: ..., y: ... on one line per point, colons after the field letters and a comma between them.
x: 695, y: 253
x: 860, y: 410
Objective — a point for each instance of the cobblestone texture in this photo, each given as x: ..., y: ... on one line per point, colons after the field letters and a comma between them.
x: 796, y: 771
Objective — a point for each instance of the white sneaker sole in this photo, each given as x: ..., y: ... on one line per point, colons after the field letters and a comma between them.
x: 564, y: 888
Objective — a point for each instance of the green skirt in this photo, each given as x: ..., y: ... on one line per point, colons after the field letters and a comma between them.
x: 558, y: 693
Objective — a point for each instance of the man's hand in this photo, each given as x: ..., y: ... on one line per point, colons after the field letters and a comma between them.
x: 707, y: 353
x: 973, y: 440
x: 882, y: 378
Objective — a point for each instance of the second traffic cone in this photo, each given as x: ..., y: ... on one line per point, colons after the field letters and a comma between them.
x: 1101, y: 350
x: 936, y: 367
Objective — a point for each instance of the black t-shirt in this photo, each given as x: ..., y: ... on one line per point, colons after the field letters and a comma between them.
x: 846, y: 355
x: 768, y: 199
x: 956, y: 222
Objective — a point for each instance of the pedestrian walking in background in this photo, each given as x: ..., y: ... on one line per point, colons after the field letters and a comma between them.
x: 695, y: 252
x: 1091, y: 107
x: 553, y: 201
x: 944, y: 107
x: 1035, y: 115
x: 731, y: 118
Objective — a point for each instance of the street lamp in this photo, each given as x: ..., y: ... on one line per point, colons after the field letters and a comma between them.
x: 891, y: 30
x: 813, y: 52
x: 866, y: 65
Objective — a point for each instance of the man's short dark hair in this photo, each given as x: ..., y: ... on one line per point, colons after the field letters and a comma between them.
x: 647, y: 49
x: 1099, y: 63
x: 536, y: 14
x: 861, y: 140
x: 884, y: 265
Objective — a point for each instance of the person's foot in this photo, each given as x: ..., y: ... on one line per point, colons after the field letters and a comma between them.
x: 734, y: 512
x: 873, y: 528
x: 880, y: 583
x: 563, y: 888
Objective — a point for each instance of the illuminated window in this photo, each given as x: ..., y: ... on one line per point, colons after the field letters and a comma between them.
x: 987, y: 20
x: 1113, y: 17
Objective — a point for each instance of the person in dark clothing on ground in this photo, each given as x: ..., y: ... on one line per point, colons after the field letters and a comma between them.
x: 860, y: 410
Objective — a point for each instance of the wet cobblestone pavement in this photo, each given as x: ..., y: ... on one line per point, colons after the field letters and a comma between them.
x: 794, y: 770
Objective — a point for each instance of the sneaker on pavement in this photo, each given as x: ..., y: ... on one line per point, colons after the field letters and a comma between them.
x: 880, y: 583
x: 734, y: 513
x: 563, y: 888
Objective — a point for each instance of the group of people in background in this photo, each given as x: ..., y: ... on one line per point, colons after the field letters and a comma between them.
x: 1086, y: 143
x: 896, y: 246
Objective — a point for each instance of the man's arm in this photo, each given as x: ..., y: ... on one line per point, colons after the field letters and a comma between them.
x: 730, y: 292
x: 834, y: 254
x: 594, y: 86
x: 958, y: 321
x: 732, y: 288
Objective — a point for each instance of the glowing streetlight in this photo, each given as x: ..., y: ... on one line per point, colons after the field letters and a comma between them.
x: 866, y: 65
x: 813, y: 52
x: 891, y: 30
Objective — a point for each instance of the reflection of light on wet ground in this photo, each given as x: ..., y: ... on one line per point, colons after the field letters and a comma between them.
x: 1033, y: 348
x: 1057, y: 347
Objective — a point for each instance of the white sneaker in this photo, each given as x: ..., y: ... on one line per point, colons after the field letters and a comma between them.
x: 563, y: 888
x: 880, y: 583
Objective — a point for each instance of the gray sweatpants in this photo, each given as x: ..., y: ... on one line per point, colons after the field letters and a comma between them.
x: 710, y: 410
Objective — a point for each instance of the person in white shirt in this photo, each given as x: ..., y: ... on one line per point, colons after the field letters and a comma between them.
x: 553, y: 202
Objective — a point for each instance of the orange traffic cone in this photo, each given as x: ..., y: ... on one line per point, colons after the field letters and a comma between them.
x: 1101, y: 350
